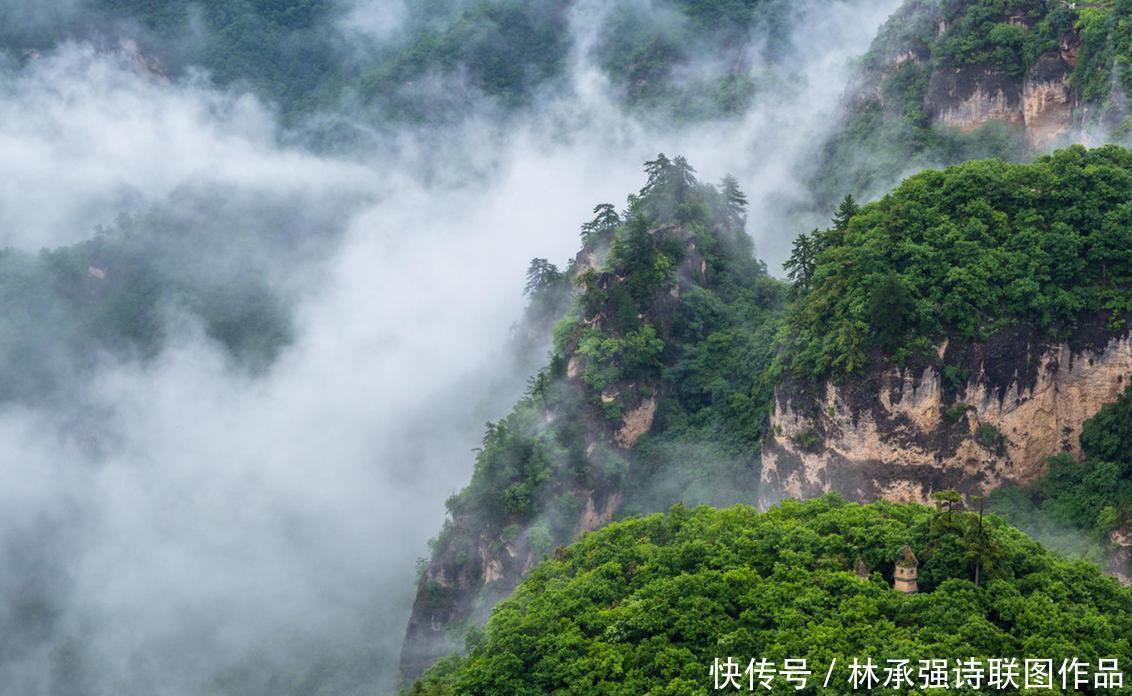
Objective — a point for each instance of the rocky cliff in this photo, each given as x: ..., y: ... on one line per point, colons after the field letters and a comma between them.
x: 967, y: 97
x: 947, y: 82
x: 587, y: 418
x: 979, y: 416
x: 471, y: 572
x: 1120, y: 554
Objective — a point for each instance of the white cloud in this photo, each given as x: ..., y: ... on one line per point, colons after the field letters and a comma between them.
x: 374, y: 19
x: 84, y: 135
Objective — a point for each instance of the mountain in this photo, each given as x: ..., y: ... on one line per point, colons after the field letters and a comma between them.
x: 423, y: 61
x: 252, y: 379
x: 655, y: 393
x: 952, y: 336
x: 947, y: 81
x: 650, y: 604
x: 957, y: 333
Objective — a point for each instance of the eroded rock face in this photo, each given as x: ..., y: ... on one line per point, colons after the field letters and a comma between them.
x: 968, y: 97
x: 1120, y: 554
x: 1047, y: 101
x: 906, y: 433
x: 597, y: 514
x: 636, y: 423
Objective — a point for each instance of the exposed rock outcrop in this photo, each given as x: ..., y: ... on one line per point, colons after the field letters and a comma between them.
x: 968, y: 97
x: 595, y: 515
x: 636, y: 423
x: 477, y: 562
x: 1120, y: 554
x: 906, y: 432
x: 1047, y: 100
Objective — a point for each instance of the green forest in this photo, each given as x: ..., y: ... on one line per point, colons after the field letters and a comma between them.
x: 963, y: 253
x: 645, y: 605
x: 291, y: 52
x: 959, y: 254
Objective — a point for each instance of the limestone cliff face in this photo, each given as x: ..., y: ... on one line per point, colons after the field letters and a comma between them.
x: 968, y: 97
x: 1047, y: 100
x: 905, y: 433
x: 1034, y: 95
x: 1120, y: 554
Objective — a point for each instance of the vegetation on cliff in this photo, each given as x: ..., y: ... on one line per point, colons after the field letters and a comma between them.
x: 678, y: 335
x: 646, y: 605
x: 963, y: 253
x: 660, y: 367
x: 889, y: 128
x: 645, y: 324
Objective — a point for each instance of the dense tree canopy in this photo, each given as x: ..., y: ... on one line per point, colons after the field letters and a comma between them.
x: 966, y: 251
x: 645, y: 605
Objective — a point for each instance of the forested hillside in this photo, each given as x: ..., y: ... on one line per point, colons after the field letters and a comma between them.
x: 975, y: 319
x: 122, y: 293
x: 666, y: 380
x: 693, y: 60
x: 656, y: 392
x: 647, y: 605
x: 947, y: 81
x: 963, y: 254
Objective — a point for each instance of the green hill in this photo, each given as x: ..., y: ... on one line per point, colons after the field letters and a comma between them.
x: 962, y: 254
x: 688, y: 59
x: 947, y: 81
x: 646, y: 605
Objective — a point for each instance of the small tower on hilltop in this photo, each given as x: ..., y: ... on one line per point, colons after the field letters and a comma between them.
x: 907, y: 571
x: 862, y: 569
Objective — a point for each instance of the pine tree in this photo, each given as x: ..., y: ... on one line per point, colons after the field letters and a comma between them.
x: 541, y: 274
x: 734, y: 201
x: 802, y: 262
x: 845, y: 212
x: 682, y: 178
x: 605, y: 222
x: 947, y: 501
x: 658, y: 171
